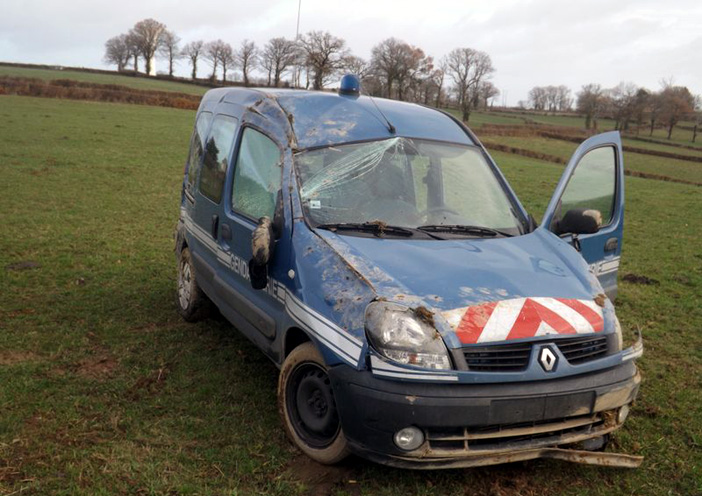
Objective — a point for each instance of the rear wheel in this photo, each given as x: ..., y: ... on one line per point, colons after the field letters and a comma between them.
x: 193, y: 304
x: 307, y: 407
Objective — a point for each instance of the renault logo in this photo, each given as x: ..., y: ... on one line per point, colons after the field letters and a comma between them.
x: 547, y: 359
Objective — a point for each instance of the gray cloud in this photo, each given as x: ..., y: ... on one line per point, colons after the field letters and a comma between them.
x: 531, y: 42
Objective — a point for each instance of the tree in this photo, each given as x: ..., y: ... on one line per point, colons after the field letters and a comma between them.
x: 590, y: 103
x: 213, y: 51
x: 385, y: 62
x: 247, y: 58
x: 226, y: 57
x: 133, y: 49
x: 147, y: 39
x: 324, y: 55
x: 356, y: 65
x: 623, y: 100
x: 468, y: 68
x: 676, y: 103
x: 640, y: 104
x: 169, y: 49
x: 655, y: 105
x: 117, y: 51
x: 278, y: 56
x: 438, y: 77
x: 194, y: 51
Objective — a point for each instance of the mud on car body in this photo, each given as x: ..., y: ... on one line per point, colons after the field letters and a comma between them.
x: 420, y: 317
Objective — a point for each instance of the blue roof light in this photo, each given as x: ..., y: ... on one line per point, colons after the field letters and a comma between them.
x: 350, y: 85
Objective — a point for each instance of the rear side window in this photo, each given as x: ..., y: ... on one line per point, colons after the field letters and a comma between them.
x: 196, y: 149
x: 217, y: 150
x: 258, y: 175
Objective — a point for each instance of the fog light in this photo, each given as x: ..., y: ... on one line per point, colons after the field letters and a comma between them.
x: 409, y: 438
x: 623, y: 414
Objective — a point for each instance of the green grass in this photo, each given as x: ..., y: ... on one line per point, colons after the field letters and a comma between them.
x: 675, y: 168
x: 105, y: 390
x: 140, y: 83
x: 662, y: 147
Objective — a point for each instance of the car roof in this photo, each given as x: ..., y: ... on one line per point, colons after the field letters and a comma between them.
x: 320, y: 118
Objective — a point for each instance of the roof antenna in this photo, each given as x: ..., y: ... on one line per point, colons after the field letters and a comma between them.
x: 351, y: 85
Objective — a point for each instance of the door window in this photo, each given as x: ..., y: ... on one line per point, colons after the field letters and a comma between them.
x: 217, y: 151
x: 258, y: 175
x: 196, y: 149
x: 593, y: 184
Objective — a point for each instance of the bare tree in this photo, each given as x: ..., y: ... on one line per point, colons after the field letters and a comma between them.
x: 247, y: 58
x: 169, y: 49
x: 226, y: 57
x: 385, y: 62
x: 133, y: 49
x: 676, y: 103
x: 213, y: 52
x: 278, y: 56
x: 438, y: 77
x: 117, y: 51
x: 324, y: 55
x: 623, y: 99
x: 591, y: 101
x: 193, y: 51
x: 655, y: 105
x: 468, y: 68
x: 356, y: 65
x: 147, y: 38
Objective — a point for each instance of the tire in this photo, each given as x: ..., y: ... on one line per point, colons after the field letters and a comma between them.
x: 193, y: 304
x: 307, y: 408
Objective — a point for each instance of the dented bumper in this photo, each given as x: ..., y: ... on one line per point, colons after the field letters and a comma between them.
x: 483, y: 424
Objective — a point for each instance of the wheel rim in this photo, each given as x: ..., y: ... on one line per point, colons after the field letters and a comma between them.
x: 311, y: 407
x: 184, y: 284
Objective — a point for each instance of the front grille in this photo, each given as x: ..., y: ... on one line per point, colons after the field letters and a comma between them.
x: 582, y: 349
x: 498, y: 358
x: 515, y: 357
x: 518, y: 436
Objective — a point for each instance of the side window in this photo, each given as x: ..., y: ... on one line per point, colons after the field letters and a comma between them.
x: 217, y: 150
x: 196, y: 149
x: 593, y: 184
x: 258, y: 175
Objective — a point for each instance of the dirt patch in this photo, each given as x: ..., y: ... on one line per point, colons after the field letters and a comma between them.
x: 23, y: 265
x: 99, y: 367
x: 639, y: 279
x: 149, y: 384
x: 16, y: 357
x: 323, y: 480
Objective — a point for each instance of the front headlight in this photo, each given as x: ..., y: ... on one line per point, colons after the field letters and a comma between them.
x: 397, y: 334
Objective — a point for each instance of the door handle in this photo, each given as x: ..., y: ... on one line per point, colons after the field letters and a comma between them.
x: 226, y: 232
x: 215, y: 226
x: 611, y: 244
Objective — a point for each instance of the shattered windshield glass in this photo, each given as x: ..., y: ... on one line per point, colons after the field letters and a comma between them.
x: 403, y: 182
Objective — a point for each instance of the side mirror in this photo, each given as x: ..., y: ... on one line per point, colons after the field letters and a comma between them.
x: 579, y: 221
x: 262, y: 245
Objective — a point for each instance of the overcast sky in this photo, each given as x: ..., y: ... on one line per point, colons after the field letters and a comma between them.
x: 535, y: 42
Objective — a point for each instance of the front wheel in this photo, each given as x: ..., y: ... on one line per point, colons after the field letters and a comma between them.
x: 307, y: 407
x: 193, y: 304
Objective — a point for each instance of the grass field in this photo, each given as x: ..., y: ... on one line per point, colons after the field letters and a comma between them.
x: 140, y: 83
x: 105, y: 390
x: 675, y: 168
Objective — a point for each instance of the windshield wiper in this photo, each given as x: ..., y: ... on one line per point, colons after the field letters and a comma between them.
x: 377, y: 228
x: 460, y: 229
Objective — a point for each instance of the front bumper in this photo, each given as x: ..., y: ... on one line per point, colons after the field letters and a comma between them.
x: 483, y: 424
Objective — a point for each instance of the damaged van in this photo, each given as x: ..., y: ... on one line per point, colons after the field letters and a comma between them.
x: 419, y: 315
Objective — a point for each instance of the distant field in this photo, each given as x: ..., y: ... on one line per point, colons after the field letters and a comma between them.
x: 105, y: 390
x: 680, y: 169
x: 140, y: 83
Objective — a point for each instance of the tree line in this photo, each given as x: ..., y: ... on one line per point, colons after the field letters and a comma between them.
x: 625, y: 104
x: 396, y: 69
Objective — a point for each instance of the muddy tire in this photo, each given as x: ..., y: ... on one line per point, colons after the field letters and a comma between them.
x: 193, y: 304
x: 307, y: 408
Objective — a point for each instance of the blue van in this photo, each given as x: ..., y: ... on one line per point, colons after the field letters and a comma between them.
x: 419, y: 316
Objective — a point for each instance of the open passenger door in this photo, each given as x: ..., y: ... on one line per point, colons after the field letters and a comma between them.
x: 587, y: 207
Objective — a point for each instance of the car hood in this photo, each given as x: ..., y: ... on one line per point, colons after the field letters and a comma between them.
x: 450, y: 276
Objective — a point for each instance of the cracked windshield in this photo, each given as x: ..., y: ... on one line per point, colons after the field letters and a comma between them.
x: 406, y: 183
